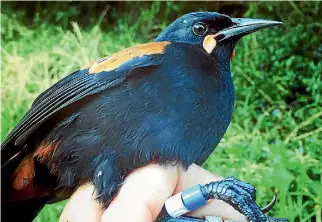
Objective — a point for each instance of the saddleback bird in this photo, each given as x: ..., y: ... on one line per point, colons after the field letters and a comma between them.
x: 170, y: 100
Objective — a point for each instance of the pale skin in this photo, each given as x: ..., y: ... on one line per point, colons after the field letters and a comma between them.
x: 142, y: 197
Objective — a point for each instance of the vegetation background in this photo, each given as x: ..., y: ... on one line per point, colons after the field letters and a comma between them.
x: 274, y: 141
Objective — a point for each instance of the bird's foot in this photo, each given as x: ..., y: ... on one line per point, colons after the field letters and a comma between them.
x: 240, y: 195
x: 271, y: 219
x: 168, y: 218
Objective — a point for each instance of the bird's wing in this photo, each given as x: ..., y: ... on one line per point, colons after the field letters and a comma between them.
x: 101, y: 75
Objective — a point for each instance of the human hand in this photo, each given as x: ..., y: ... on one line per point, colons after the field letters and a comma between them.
x: 142, y: 197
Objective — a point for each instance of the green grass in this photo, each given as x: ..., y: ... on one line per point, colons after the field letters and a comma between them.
x: 274, y: 141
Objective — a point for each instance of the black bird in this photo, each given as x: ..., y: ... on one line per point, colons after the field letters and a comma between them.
x: 168, y: 100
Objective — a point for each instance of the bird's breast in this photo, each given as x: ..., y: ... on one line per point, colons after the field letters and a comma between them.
x: 195, y: 103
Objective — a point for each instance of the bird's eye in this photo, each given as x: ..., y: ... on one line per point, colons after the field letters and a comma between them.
x: 199, y: 29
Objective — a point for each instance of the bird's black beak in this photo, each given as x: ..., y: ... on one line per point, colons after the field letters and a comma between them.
x: 243, y: 26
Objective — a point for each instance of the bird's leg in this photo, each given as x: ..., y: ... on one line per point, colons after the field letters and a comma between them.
x: 107, y: 180
x: 208, y: 219
x: 271, y: 219
x: 108, y: 189
x: 240, y: 195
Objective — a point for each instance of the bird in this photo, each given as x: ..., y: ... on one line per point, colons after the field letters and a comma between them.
x: 167, y: 101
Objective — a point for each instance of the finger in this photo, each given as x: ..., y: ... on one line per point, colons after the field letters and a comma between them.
x: 196, y: 174
x: 159, y: 176
x: 143, y: 194
x: 82, y: 207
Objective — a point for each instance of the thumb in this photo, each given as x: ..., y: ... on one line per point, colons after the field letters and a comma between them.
x: 143, y: 194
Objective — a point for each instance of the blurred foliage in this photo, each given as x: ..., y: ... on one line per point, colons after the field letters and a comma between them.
x: 274, y: 141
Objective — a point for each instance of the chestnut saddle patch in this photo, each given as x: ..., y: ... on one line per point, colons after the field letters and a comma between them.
x: 114, y: 61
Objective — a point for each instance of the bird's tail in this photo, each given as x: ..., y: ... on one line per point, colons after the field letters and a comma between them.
x: 21, y: 211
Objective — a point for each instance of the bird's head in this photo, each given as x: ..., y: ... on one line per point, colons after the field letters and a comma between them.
x: 216, y: 33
